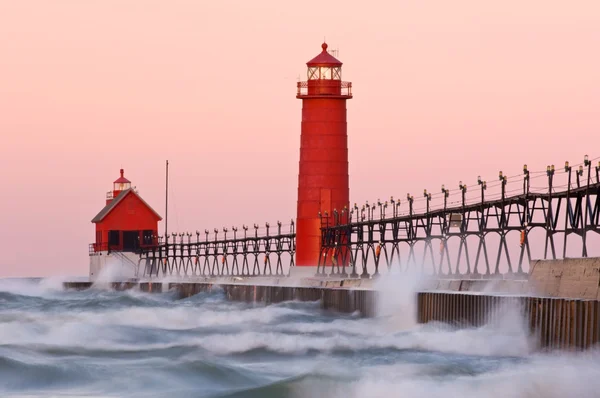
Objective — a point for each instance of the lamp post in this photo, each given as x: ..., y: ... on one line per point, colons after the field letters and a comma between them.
x: 395, y: 206
x: 483, y: 185
x: 567, y: 170
x: 410, y: 199
x: 588, y: 164
x: 503, y: 181
x: 578, y: 174
x: 427, y: 197
x: 427, y: 227
x: 550, y: 173
x: 463, y: 190
x: 371, y: 211
x: 446, y: 194
x: 326, y: 215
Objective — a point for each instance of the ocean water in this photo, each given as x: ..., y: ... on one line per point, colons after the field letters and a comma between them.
x: 101, y: 343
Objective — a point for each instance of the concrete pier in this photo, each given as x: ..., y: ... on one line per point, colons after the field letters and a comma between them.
x: 559, y: 302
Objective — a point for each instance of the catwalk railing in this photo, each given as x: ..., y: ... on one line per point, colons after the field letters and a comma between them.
x: 395, y: 236
x: 359, y: 242
x: 243, y: 254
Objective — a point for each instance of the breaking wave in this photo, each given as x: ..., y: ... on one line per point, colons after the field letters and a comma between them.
x: 99, y: 343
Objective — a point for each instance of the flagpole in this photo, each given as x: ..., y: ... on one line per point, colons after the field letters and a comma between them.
x: 167, y: 202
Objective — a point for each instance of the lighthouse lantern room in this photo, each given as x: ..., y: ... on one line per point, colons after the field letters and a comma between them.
x: 126, y: 224
x: 121, y: 184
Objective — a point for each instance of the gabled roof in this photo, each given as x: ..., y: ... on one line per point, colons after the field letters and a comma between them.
x: 109, y: 207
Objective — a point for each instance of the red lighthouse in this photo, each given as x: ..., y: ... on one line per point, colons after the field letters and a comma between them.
x: 323, y: 183
x: 126, y: 224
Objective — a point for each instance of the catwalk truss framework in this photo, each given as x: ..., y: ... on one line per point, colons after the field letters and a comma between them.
x: 219, y: 256
x: 349, y: 246
x: 360, y: 242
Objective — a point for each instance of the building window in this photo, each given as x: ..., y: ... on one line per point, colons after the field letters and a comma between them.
x: 114, y: 238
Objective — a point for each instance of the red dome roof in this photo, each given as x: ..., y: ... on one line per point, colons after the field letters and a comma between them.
x: 324, y: 59
x: 122, y: 180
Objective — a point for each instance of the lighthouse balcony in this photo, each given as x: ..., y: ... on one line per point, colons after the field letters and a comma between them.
x: 324, y: 88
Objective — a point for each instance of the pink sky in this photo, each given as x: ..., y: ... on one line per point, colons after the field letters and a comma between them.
x: 443, y: 91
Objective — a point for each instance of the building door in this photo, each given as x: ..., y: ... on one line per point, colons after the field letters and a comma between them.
x: 130, y: 240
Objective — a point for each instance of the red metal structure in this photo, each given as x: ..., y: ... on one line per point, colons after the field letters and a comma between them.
x: 127, y: 222
x: 323, y: 183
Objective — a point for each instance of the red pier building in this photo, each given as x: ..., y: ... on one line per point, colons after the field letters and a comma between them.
x: 323, y: 182
x: 125, y: 224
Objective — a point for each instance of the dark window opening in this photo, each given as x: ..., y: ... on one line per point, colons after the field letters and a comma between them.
x: 113, y: 238
x: 131, y: 240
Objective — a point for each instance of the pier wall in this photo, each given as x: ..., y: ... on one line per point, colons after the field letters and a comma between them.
x: 559, y: 302
x: 340, y: 300
x: 554, y: 323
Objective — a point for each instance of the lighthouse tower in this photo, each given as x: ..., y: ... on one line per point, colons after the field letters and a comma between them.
x: 323, y: 183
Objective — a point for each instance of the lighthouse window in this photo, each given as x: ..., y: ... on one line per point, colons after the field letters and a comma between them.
x: 337, y: 73
x: 326, y: 73
x: 313, y: 73
x: 121, y: 186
